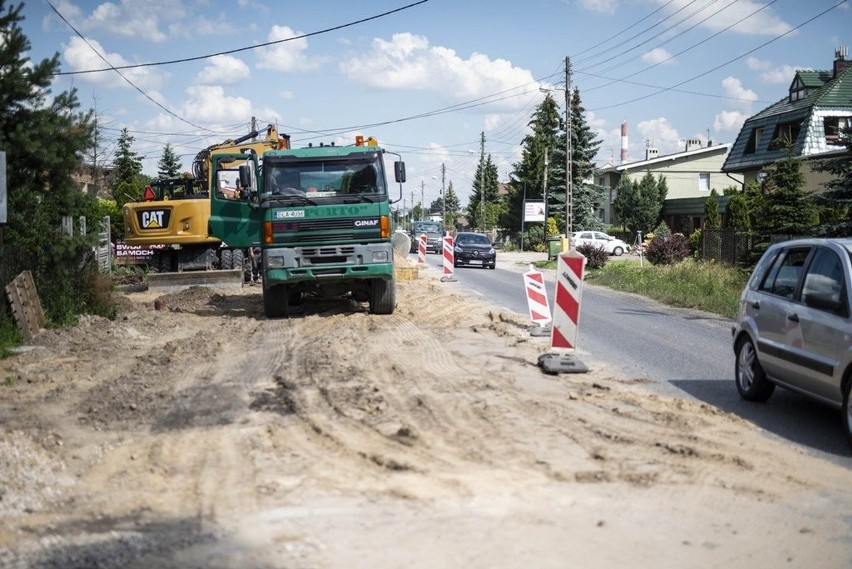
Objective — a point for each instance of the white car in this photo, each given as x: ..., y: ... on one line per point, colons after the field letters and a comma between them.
x: 610, y: 244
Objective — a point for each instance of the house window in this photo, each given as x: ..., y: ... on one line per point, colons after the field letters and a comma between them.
x: 797, y: 90
x: 785, y: 135
x: 753, y: 140
x: 834, y: 127
x: 704, y: 182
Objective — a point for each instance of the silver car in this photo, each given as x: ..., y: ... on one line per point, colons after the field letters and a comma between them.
x: 794, y: 327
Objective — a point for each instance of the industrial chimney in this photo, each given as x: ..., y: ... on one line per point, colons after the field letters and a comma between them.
x: 624, y: 142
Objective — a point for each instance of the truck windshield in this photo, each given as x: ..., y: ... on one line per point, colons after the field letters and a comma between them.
x: 427, y: 227
x: 323, y: 178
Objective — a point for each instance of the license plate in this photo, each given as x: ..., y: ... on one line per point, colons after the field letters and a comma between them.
x: 475, y: 261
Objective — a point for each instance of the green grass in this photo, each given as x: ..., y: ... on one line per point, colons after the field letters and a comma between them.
x: 704, y: 286
x: 10, y: 336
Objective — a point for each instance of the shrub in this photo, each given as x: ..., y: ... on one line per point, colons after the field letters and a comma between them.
x: 662, y: 230
x: 695, y: 242
x: 668, y: 250
x: 596, y: 256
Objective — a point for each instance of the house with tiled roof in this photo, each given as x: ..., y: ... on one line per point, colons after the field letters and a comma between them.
x: 691, y: 174
x: 807, y: 122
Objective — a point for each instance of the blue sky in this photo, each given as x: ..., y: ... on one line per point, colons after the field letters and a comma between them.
x: 427, y: 78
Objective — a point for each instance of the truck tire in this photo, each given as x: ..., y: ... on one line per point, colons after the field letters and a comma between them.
x: 276, y: 301
x: 382, y: 296
x: 226, y: 259
x: 237, y: 257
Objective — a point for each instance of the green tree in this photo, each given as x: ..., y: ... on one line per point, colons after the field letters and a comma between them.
x: 586, y: 197
x: 127, y: 168
x: 712, y: 217
x: 788, y: 208
x: 169, y: 164
x: 485, y: 184
x: 638, y: 204
x: 836, y: 200
x: 738, y: 212
x: 45, y: 137
x: 526, y: 179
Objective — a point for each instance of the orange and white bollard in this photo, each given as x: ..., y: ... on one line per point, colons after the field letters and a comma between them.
x: 449, y: 259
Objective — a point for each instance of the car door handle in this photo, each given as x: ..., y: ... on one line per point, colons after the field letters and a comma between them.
x: 793, y: 318
x: 755, y: 305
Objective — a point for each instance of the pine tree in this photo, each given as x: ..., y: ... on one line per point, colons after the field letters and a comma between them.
x: 836, y: 200
x: 639, y: 204
x: 586, y: 196
x: 127, y: 167
x: 169, y: 165
x: 526, y: 179
x: 788, y: 208
x: 45, y: 137
x: 486, y: 181
x: 712, y: 218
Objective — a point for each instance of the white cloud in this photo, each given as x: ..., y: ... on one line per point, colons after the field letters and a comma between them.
x: 80, y: 56
x: 407, y: 61
x: 772, y: 74
x: 223, y: 70
x: 210, y: 104
x: 661, y: 134
x: 286, y: 56
x: 729, y: 121
x: 603, y: 6
x: 128, y: 18
x: 657, y: 55
x: 746, y: 17
x: 733, y: 87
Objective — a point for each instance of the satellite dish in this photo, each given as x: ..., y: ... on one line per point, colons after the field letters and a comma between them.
x: 681, y: 142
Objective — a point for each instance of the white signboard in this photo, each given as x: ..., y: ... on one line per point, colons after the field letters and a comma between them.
x: 533, y: 211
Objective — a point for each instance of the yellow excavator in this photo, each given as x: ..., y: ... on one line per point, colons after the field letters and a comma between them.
x: 175, y: 212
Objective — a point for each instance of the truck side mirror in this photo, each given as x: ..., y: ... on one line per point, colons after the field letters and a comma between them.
x: 245, y: 175
x: 399, y: 171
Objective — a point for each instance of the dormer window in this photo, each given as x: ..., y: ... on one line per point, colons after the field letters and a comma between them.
x: 785, y: 135
x: 753, y: 140
x: 797, y: 90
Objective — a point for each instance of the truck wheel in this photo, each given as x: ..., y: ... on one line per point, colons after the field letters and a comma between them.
x: 382, y: 296
x: 225, y: 258
x: 276, y: 301
x: 237, y: 257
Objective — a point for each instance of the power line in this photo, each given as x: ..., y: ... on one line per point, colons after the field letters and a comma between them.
x: 241, y: 49
x: 709, y: 71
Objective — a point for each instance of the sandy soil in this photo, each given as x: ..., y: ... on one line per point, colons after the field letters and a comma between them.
x: 204, y: 435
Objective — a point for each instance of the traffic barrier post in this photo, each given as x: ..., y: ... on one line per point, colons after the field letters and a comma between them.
x: 570, y: 266
x: 449, y: 259
x: 421, y: 249
x: 537, y: 303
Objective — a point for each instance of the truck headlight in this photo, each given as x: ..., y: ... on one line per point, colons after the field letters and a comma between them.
x: 380, y: 256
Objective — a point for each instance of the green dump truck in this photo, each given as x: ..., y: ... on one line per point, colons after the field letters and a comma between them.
x: 320, y: 217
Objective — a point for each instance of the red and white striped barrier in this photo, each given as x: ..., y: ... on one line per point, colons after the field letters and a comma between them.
x: 449, y: 259
x: 566, y: 315
x: 537, y: 298
x: 421, y: 249
x: 566, y: 310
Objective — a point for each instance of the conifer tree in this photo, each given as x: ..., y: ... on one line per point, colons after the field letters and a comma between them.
x: 485, y: 181
x: 169, y: 164
x: 586, y: 195
x: 127, y: 168
x: 788, y: 208
x: 836, y: 200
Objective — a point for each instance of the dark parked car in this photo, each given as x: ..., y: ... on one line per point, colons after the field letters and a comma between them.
x: 473, y: 249
x: 794, y: 326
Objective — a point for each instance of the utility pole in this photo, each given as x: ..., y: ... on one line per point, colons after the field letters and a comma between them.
x: 569, y: 190
x: 544, y: 190
x: 443, y: 196
x: 422, y: 183
x: 482, y: 180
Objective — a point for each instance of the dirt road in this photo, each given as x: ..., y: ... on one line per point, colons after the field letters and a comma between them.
x: 204, y: 435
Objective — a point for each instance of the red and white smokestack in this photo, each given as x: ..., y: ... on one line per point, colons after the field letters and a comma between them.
x: 623, y: 142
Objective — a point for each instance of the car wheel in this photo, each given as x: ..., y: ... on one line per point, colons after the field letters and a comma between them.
x: 749, y: 375
x: 492, y: 266
x: 618, y: 251
x: 847, y: 411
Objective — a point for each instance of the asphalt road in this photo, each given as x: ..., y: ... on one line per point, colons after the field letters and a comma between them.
x: 679, y: 352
